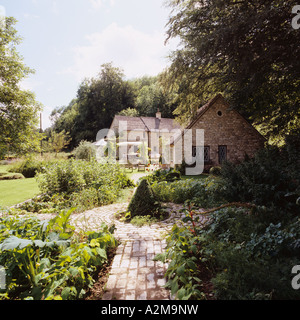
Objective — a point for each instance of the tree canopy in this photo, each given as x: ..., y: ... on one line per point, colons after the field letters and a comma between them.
x: 245, y: 49
x: 18, y: 108
x: 100, y: 99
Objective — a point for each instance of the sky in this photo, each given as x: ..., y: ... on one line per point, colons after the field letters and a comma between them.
x: 66, y: 41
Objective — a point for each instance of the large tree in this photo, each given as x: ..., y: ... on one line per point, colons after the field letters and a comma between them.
x: 245, y: 49
x: 150, y: 95
x: 98, y: 100
x: 18, y: 108
x: 67, y: 119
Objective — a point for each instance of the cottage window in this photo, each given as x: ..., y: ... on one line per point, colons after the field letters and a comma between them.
x: 206, y: 153
x: 222, y: 150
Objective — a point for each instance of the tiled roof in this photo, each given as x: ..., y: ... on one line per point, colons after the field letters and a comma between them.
x: 146, y: 123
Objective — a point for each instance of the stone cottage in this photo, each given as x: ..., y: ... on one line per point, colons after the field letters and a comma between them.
x: 132, y: 132
x: 227, y: 134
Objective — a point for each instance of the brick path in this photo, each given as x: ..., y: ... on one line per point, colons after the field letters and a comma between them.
x: 134, y: 275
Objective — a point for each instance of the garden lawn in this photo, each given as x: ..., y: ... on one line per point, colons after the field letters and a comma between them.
x: 4, y: 168
x: 13, y: 192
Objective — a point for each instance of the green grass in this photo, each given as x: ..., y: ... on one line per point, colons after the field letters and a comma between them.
x: 16, y: 191
x: 5, y: 168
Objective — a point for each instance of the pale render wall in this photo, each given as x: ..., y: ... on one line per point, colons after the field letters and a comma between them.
x: 231, y: 130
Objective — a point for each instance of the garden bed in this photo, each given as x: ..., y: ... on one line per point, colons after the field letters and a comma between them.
x: 47, y: 260
x: 101, y: 277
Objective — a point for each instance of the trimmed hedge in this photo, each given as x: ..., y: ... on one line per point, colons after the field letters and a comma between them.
x: 143, y: 201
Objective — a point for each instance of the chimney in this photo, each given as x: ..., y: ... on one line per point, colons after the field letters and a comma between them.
x: 158, y: 114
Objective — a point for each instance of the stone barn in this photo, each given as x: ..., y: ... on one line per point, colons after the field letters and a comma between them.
x: 228, y: 136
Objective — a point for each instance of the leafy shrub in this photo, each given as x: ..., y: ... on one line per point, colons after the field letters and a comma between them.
x: 172, y: 176
x: 82, y: 184
x: 250, y: 254
x: 201, y: 192
x: 163, y: 175
x: 177, y: 192
x: 28, y: 168
x: 182, y: 274
x: 187, y: 268
x: 263, y: 180
x: 181, y: 167
x: 245, y: 257
x: 43, y: 260
x: 253, y: 259
x: 90, y: 198
x: 124, y: 181
x: 216, y: 171
x: 85, y: 151
x: 143, y: 202
x: 44, y: 204
x: 62, y: 177
x: 85, y: 199
x: 75, y: 175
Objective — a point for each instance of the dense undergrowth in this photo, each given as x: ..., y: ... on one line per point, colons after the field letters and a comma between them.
x: 246, y: 253
x: 47, y: 260
x: 73, y: 184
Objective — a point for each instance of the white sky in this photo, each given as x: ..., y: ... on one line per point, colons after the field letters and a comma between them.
x: 65, y: 41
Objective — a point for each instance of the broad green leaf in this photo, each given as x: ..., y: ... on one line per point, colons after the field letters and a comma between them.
x: 14, y: 242
x: 174, y: 287
x: 101, y: 253
x: 180, y: 270
x: 191, y: 264
x: 65, y: 293
x: 94, y: 243
x: 181, y: 293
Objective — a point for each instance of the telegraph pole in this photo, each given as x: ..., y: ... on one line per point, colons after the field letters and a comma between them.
x: 41, y: 131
